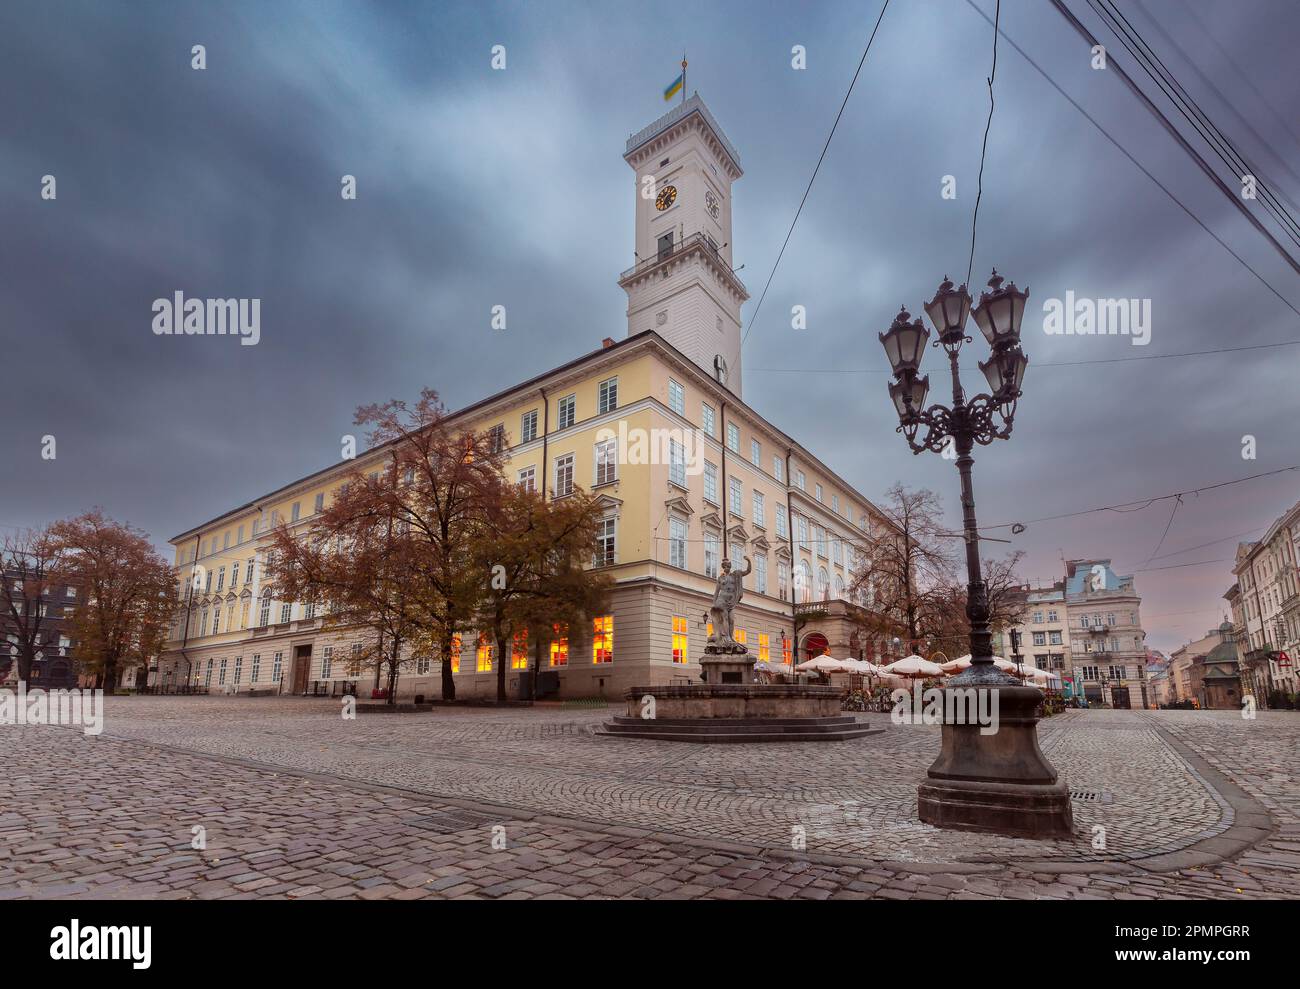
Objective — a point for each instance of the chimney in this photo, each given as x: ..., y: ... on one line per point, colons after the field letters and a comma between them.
x: 607, y: 343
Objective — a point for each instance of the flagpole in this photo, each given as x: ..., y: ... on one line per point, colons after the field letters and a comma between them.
x: 683, y: 75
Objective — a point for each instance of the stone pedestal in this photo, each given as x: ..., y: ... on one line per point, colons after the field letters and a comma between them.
x: 998, y: 782
x: 727, y: 665
x: 730, y: 707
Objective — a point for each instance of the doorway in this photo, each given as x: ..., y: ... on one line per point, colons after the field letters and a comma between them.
x: 1119, y: 697
x: 301, y: 668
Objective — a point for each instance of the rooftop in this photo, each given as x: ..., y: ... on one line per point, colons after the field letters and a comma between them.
x: 674, y: 116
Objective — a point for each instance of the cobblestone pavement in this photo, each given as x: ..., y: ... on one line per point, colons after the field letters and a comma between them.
x: 296, y: 801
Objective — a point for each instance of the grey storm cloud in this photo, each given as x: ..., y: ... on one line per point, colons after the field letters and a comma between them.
x: 479, y: 188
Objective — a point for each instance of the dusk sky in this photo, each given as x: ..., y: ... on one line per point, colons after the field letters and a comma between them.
x: 479, y: 188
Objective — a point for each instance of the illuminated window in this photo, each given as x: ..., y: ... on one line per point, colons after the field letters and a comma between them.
x: 484, y: 664
x: 708, y: 629
x: 519, y: 651
x: 739, y: 635
x: 764, y: 647
x: 785, y: 650
x: 602, y: 640
x: 681, y: 653
x: 455, y: 654
x: 560, y: 645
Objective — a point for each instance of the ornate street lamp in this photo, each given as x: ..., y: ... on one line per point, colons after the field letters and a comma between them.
x: 997, y: 782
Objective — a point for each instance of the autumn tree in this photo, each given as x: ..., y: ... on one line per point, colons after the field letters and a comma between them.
x: 536, y: 561
x: 944, y: 622
x: 444, y: 480
x: 128, y: 594
x: 31, y: 562
x: 904, y: 567
x: 356, y: 563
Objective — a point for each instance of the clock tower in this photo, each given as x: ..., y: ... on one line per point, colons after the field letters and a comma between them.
x: 682, y: 284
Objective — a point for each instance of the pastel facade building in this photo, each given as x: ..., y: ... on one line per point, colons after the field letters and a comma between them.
x: 1107, y: 642
x: 654, y: 424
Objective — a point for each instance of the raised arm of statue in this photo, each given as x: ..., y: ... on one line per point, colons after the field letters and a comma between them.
x: 748, y: 567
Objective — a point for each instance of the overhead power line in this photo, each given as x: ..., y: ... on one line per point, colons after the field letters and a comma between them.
x: 1127, y: 154
x: 1155, y: 68
x: 1206, y: 82
x: 813, y: 178
x: 979, y: 191
x: 1095, y: 360
x: 1139, y: 504
x: 1177, y: 135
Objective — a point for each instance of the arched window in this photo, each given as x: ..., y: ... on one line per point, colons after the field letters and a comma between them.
x: 803, y: 583
x: 839, y: 586
x: 823, y: 584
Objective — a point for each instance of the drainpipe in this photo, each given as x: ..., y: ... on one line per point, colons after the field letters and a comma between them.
x: 723, y: 494
x: 794, y: 554
x: 189, y: 601
x: 537, y: 639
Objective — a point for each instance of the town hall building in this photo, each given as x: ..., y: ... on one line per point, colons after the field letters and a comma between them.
x: 747, y: 489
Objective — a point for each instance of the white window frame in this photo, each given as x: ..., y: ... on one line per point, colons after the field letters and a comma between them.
x: 564, y: 461
x: 678, y: 534
x: 607, y: 391
x: 605, y: 465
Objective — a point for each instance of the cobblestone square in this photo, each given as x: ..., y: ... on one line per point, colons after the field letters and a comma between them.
x: 294, y: 801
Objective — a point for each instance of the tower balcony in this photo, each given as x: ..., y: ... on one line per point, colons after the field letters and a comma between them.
x: 697, y: 243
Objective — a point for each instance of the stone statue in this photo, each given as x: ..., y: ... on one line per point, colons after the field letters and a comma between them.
x: 725, y: 598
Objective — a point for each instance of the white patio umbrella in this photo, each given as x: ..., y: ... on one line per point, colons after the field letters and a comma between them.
x: 860, y: 666
x: 914, y: 667
x: 821, y: 664
x: 962, y: 662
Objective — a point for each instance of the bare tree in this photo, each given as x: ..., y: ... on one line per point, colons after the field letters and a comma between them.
x: 903, y: 569
x: 944, y: 622
x: 31, y: 561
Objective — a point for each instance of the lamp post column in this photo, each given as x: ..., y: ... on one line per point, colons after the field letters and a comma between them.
x: 990, y: 774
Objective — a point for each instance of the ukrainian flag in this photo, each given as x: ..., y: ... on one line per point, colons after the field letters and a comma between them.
x: 676, y: 87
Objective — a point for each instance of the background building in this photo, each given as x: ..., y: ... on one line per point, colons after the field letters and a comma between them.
x: 1108, y: 651
x: 1044, y: 631
x: 55, y: 665
x: 1205, y: 671
x: 1265, y: 602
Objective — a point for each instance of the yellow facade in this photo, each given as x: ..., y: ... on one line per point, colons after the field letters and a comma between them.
x: 658, y: 394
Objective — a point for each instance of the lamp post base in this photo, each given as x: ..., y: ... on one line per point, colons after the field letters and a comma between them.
x: 993, y: 777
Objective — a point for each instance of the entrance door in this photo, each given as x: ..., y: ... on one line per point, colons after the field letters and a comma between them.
x: 1119, y: 697
x: 301, y: 668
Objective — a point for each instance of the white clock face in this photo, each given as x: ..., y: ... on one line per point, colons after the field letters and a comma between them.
x: 711, y: 203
